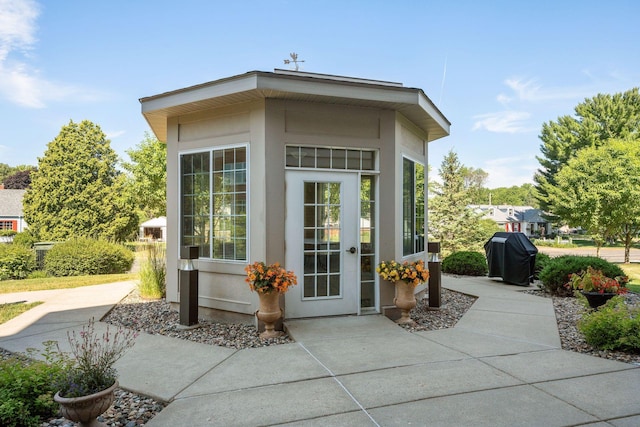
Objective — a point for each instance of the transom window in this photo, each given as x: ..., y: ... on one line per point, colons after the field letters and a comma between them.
x: 330, y: 158
x: 214, y: 202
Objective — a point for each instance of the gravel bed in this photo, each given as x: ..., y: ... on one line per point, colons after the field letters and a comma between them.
x: 569, y: 311
x: 157, y: 317
x: 453, y: 305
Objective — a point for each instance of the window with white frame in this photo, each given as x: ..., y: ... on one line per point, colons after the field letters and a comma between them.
x: 413, y: 213
x: 213, y: 197
x: 7, y: 225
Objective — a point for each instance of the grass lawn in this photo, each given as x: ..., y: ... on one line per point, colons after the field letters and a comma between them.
x: 9, y: 311
x: 48, y: 283
x: 633, y: 271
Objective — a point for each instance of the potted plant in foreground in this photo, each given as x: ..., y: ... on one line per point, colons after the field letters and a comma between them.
x: 87, y: 387
x: 269, y: 281
x: 406, y: 277
x: 596, y: 287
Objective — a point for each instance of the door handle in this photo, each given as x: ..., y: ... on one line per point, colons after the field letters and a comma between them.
x: 352, y: 250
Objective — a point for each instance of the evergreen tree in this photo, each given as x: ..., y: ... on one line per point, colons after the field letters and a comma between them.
x: 451, y: 222
x: 77, y: 190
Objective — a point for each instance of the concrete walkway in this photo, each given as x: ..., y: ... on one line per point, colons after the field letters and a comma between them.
x: 501, y: 365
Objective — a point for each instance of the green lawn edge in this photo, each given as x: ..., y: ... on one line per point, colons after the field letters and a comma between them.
x: 51, y: 283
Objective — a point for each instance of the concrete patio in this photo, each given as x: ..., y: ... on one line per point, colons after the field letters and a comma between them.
x: 501, y: 365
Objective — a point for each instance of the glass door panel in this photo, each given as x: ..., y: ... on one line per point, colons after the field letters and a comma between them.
x: 322, y: 230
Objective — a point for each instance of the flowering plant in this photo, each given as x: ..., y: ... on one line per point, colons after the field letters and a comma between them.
x: 413, y: 273
x: 593, y: 280
x: 90, y: 368
x: 264, y: 278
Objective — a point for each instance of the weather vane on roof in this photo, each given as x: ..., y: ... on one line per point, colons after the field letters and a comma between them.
x: 294, y: 60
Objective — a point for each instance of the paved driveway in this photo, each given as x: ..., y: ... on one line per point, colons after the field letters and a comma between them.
x: 610, y: 254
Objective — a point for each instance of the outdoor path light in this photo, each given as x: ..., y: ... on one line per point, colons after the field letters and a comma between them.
x: 435, y: 273
x: 188, y: 286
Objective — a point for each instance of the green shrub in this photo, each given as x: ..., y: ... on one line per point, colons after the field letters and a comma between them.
x: 153, y: 272
x: 16, y: 262
x: 26, y: 389
x: 83, y: 256
x: 8, y: 233
x: 557, y: 271
x: 614, y: 326
x: 25, y: 238
x: 466, y: 263
x: 541, y: 262
x: 38, y: 274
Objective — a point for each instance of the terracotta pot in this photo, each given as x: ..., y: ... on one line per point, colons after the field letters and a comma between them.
x: 405, y: 300
x: 596, y: 299
x: 269, y: 313
x: 85, y: 409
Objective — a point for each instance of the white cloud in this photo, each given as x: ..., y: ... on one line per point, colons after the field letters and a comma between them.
x: 502, y: 122
x: 531, y: 91
x: 20, y: 83
x: 503, y: 99
x: 510, y: 171
x: 115, y: 134
x: 17, y: 25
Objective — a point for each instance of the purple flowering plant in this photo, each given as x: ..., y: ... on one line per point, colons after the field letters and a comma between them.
x: 90, y: 368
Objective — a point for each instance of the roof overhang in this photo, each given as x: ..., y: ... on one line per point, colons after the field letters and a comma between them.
x: 296, y: 86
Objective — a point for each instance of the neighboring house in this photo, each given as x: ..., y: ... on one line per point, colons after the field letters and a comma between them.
x: 154, y: 229
x: 523, y: 219
x: 11, y: 215
x: 316, y: 172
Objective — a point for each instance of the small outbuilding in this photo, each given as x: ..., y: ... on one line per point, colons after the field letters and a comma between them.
x: 154, y: 229
x: 324, y: 174
x: 511, y: 256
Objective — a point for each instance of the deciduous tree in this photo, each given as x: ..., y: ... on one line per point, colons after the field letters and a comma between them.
x: 20, y: 180
x: 596, y: 121
x: 148, y: 176
x: 516, y: 195
x: 599, y: 190
x: 77, y: 190
x: 5, y: 170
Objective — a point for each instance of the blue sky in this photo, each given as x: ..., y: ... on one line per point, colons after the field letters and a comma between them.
x: 498, y: 69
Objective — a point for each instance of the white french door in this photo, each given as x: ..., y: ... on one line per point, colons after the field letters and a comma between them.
x: 322, y: 242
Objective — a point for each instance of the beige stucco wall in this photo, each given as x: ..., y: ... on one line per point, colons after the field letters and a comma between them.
x: 411, y: 144
x: 221, y: 284
x: 267, y: 126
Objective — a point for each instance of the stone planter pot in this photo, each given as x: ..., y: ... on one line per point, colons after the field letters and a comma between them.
x: 596, y: 299
x: 405, y: 300
x: 85, y: 409
x: 269, y: 312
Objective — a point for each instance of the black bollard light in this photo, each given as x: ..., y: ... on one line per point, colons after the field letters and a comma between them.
x: 188, y: 286
x: 435, y: 274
